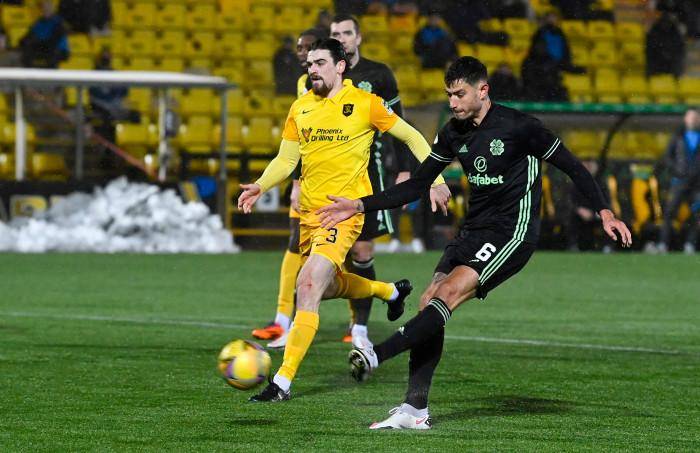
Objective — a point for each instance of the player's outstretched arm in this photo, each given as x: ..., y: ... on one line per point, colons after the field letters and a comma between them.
x: 439, y: 192
x: 276, y: 171
x: 584, y: 181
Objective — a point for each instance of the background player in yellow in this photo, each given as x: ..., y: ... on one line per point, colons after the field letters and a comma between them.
x: 330, y: 130
x: 277, y: 330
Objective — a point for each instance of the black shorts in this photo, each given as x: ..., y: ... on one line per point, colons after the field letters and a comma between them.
x: 376, y: 223
x: 495, y: 257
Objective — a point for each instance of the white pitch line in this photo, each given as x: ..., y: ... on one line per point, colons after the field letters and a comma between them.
x: 167, y: 322
x: 557, y: 344
x: 177, y: 322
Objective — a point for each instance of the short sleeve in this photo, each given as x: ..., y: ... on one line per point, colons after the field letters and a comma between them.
x: 441, y: 150
x: 290, y: 131
x: 381, y: 116
x: 538, y: 140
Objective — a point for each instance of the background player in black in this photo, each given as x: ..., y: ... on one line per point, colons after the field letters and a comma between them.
x: 376, y: 78
x: 500, y: 150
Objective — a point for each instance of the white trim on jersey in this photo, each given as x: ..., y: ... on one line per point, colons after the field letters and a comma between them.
x: 440, y: 158
x: 551, y: 150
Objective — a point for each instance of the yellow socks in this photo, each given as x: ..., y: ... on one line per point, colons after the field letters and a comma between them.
x: 300, y: 337
x: 288, y: 279
x: 351, y: 286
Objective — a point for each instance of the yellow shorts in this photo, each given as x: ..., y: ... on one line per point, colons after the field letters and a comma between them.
x: 333, y: 244
x: 293, y: 214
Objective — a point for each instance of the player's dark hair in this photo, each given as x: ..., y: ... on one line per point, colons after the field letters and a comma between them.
x: 468, y: 69
x: 334, y: 47
x: 338, y: 18
x: 315, y: 33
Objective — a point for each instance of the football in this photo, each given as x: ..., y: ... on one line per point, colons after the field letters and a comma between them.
x: 244, y: 364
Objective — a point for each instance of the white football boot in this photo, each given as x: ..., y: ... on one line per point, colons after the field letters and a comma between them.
x: 399, y: 419
x: 280, y: 342
x: 363, y: 360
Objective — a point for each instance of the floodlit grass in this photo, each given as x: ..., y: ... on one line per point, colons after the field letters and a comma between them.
x: 577, y: 352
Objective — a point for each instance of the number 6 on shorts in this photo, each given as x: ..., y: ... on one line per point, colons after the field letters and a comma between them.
x: 485, y: 252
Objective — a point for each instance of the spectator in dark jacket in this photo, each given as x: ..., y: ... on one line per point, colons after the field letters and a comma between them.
x: 433, y: 44
x: 46, y: 43
x: 665, y: 47
x: 555, y: 43
x: 541, y: 76
x: 463, y: 17
x: 682, y: 159
x: 503, y: 85
x: 85, y: 16
x: 286, y: 68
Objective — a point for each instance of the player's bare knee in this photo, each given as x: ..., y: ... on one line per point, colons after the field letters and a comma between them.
x: 362, y: 251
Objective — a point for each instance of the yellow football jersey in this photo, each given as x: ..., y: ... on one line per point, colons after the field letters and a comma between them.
x: 334, y: 138
x: 301, y: 85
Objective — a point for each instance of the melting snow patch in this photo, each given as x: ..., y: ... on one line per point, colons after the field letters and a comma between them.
x: 122, y: 217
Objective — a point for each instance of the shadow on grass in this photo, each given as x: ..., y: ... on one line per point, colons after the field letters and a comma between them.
x: 509, y: 405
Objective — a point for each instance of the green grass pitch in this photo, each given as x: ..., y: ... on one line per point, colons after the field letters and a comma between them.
x: 117, y: 353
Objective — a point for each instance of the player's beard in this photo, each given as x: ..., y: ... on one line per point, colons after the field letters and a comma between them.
x: 321, y: 90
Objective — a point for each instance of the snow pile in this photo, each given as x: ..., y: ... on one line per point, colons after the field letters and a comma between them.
x: 122, y: 217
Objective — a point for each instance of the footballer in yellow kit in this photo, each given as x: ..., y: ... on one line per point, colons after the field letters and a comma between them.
x: 330, y: 129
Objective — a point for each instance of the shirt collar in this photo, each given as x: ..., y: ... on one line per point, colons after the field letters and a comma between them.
x: 347, y: 83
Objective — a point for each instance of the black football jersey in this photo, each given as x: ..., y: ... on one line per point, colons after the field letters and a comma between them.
x: 502, y: 159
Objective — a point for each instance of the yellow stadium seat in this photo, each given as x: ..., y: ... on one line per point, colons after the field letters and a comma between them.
x: 281, y: 105
x: 139, y: 43
x: 259, y: 136
x: 230, y: 46
x: 15, y: 34
x: 575, y: 31
x: 406, y: 24
x: 197, y: 101
x: 373, y: 24
x: 259, y: 73
x: 201, y: 17
x: 465, y: 50
x: 119, y: 63
x: 140, y: 99
x: 580, y: 55
x: 661, y: 141
x: 77, y: 63
x: 689, y: 90
x: 518, y: 28
x: 199, y: 44
x: 629, y: 32
x: 17, y: 16
x: 120, y: 14
x: 586, y: 144
x: 407, y: 78
x: 261, y: 18
x: 601, y: 31
x: 579, y: 87
x: 7, y: 166
x: 640, y: 145
x: 234, y: 135
x: 402, y: 44
x: 228, y: 21
x: 171, y: 15
x: 607, y: 86
x: 636, y: 89
x: 632, y: 56
x: 171, y: 65
x: 603, y: 55
x: 232, y: 74
x: 79, y: 45
x: 617, y: 149
x: 254, y: 49
x: 141, y: 15
x: 490, y: 55
x: 8, y: 134
x: 3, y: 107
x: 141, y: 64
x: 202, y: 65
x: 235, y: 102
x: 541, y: 7
x: 169, y: 44
x: 137, y: 137
x: 115, y: 43
x: 514, y: 57
x: 664, y: 89
x: 491, y: 25
x: 258, y: 104
x: 432, y: 80
x: 195, y: 135
x: 290, y: 20
x: 48, y: 166
x: 376, y: 51
x: 71, y: 96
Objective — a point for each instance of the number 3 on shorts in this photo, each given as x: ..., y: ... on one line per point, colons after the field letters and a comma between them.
x: 485, y: 252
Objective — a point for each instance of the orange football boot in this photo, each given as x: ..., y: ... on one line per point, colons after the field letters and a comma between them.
x: 271, y: 331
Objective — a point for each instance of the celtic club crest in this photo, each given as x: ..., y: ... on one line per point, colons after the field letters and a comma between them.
x: 365, y: 86
x: 496, y: 147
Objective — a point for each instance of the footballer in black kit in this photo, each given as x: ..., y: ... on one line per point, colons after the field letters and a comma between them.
x: 501, y: 151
